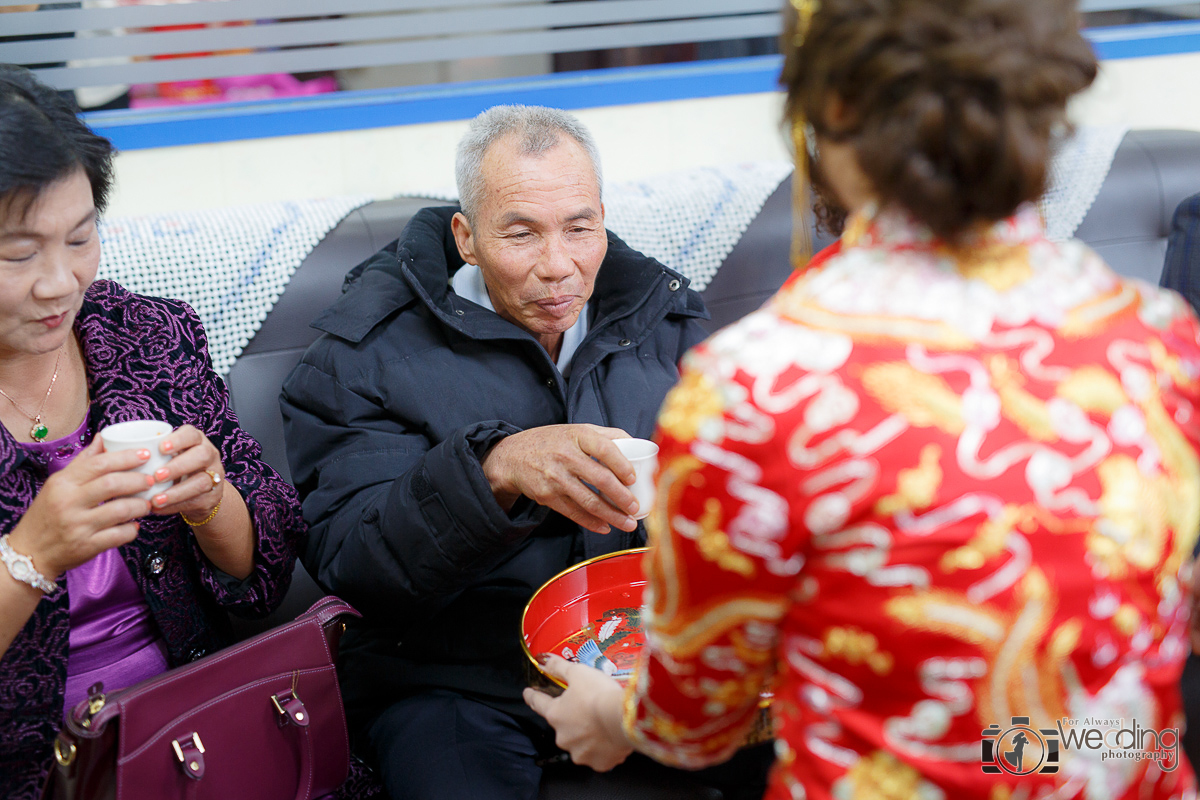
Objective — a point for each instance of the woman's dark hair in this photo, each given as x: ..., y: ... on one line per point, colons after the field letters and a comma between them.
x: 828, y: 211
x: 42, y: 140
x: 950, y: 106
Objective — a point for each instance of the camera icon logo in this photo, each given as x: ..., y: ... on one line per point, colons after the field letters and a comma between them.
x: 1020, y: 749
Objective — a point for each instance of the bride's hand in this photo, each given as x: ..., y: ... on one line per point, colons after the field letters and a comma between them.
x: 587, y: 716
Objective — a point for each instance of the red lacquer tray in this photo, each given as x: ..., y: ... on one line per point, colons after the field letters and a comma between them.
x: 590, y: 613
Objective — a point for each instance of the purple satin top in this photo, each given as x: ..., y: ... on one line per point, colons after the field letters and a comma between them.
x: 112, y: 638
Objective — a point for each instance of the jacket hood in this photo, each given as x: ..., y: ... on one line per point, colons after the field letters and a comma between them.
x: 418, y: 267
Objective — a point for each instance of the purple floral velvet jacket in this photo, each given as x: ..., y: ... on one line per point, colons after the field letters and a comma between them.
x: 147, y: 358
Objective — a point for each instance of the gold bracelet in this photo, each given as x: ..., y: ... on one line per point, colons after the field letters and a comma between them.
x: 204, y: 521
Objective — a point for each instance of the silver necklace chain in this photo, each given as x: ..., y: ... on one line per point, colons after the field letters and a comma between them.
x: 39, y: 431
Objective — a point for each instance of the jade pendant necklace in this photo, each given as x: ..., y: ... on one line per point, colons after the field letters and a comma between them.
x: 39, y: 431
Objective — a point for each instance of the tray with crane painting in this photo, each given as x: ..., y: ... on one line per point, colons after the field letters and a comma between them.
x: 591, y: 614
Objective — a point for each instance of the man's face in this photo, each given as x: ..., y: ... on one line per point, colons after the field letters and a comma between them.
x: 538, y: 235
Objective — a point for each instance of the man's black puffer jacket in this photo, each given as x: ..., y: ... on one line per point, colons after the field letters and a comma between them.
x: 387, y: 418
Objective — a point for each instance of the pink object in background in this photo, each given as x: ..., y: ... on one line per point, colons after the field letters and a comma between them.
x: 224, y: 90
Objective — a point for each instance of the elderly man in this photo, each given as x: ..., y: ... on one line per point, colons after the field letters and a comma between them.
x: 446, y: 433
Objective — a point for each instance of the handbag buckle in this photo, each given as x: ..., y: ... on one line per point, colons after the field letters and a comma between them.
x: 64, y: 759
x: 190, y: 752
x: 291, y: 708
x: 95, y: 702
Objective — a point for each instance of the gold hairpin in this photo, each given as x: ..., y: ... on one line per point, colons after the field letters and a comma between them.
x: 805, y: 10
x: 802, y: 140
x: 802, y: 240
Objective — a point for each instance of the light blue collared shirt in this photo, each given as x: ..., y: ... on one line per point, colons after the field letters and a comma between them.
x: 468, y: 284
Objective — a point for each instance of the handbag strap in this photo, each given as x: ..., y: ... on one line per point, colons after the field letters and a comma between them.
x: 189, y: 749
x: 329, y: 608
x: 293, y: 714
x: 304, y: 790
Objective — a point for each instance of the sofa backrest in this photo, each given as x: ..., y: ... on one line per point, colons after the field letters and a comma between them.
x: 1151, y: 174
x: 257, y: 376
x: 1153, y: 171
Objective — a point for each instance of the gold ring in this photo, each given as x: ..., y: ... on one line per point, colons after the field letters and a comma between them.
x: 216, y: 479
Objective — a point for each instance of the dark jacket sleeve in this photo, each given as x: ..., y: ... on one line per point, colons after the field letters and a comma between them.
x: 273, y: 504
x: 397, y: 522
x: 1181, y: 270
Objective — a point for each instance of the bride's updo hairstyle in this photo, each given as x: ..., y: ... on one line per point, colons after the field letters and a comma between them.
x: 950, y: 106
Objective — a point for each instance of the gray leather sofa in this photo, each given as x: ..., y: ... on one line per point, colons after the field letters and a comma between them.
x: 1128, y: 225
x: 1152, y: 173
x: 751, y: 273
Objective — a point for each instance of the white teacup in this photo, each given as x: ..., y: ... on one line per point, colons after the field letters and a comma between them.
x: 643, y: 454
x: 136, y: 435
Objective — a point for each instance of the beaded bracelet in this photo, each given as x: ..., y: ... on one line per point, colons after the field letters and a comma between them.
x: 204, y: 521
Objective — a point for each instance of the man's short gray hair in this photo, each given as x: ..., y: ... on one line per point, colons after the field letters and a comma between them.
x: 539, y: 129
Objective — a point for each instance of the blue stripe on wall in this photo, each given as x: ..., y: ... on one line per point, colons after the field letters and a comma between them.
x: 1151, y: 39
x: 136, y: 130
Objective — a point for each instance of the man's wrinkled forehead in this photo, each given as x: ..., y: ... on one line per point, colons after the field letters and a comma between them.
x: 501, y: 154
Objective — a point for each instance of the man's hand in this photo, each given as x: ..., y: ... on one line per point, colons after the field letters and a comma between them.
x: 550, y: 466
x: 586, y: 717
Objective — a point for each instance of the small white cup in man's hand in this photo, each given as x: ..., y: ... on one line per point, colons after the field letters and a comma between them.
x: 140, y: 434
x: 643, y: 454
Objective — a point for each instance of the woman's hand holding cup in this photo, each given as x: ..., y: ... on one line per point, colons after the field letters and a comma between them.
x: 89, y: 506
x: 196, y: 470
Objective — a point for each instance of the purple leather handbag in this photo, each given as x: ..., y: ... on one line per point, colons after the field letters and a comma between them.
x: 262, y: 719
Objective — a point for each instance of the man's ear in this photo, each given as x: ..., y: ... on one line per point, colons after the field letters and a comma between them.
x: 463, y: 237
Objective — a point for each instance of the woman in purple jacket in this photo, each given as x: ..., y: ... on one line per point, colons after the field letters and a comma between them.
x: 97, y: 584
